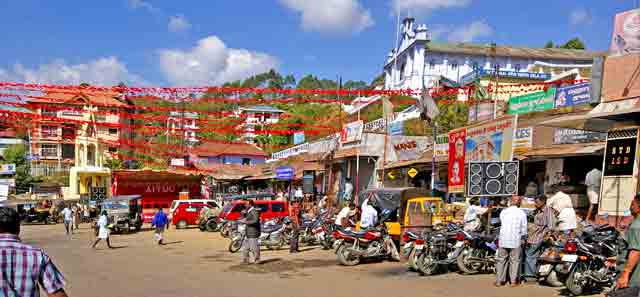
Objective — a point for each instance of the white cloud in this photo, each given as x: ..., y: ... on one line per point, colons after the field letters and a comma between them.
x: 464, y: 33
x: 425, y: 6
x: 141, y: 4
x: 580, y: 16
x: 331, y: 16
x: 211, y: 62
x: 102, y: 71
x: 178, y: 23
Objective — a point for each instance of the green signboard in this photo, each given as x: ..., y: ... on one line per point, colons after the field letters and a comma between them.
x: 538, y: 101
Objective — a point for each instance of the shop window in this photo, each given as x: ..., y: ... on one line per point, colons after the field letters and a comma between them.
x: 49, y: 150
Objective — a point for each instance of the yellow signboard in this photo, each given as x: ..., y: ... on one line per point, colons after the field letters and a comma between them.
x: 412, y: 172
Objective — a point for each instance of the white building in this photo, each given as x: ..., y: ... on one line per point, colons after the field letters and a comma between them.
x: 184, y: 123
x: 416, y: 58
x: 255, y: 117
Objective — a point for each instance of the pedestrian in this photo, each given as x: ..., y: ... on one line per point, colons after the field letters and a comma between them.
x: 472, y: 215
x: 543, y: 225
x: 25, y: 269
x: 342, y: 219
x: 160, y: 222
x: 593, y: 181
x: 67, y: 216
x: 348, y: 190
x: 294, y: 215
x: 86, y: 213
x: 628, y: 259
x: 103, y: 230
x: 369, y: 217
x: 76, y: 217
x: 512, y: 231
x: 252, y: 221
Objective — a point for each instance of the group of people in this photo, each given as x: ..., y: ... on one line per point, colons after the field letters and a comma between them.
x: 73, y: 216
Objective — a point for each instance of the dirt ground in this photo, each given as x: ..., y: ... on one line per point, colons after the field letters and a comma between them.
x: 194, y: 263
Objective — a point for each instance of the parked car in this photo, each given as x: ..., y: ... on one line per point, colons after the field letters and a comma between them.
x: 269, y: 209
x: 187, y: 214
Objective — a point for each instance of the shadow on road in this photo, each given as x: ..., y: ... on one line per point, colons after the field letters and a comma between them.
x: 172, y: 242
x: 281, y: 266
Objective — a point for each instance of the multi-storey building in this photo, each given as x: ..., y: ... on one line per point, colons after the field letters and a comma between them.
x: 185, y: 124
x: 255, y: 117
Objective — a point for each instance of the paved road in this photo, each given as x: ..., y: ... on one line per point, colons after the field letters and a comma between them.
x: 193, y: 263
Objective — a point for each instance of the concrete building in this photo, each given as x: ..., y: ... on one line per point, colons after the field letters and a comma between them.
x: 184, y: 124
x: 211, y: 152
x: 255, y: 117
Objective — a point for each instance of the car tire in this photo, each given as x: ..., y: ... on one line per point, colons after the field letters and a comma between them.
x: 182, y: 224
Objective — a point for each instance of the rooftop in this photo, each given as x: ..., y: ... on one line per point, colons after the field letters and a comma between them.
x: 98, y: 98
x: 512, y: 51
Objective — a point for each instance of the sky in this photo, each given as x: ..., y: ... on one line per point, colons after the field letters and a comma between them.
x: 209, y: 42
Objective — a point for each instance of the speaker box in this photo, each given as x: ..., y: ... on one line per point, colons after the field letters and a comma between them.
x: 492, y: 179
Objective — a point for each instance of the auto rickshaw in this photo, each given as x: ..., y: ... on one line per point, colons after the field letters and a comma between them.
x: 409, y: 207
x: 124, y: 212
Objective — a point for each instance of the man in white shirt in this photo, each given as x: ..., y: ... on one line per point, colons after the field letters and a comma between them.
x: 369, y: 217
x: 513, y: 230
x: 472, y: 215
x: 348, y: 190
x: 593, y: 181
x: 344, y: 215
x: 67, y: 215
x: 299, y: 195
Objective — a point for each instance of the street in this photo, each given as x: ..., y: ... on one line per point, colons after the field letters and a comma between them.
x: 195, y: 263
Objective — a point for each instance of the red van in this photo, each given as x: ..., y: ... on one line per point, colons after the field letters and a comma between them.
x: 186, y: 214
x: 269, y: 209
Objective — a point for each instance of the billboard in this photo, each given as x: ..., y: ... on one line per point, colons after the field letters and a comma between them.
x: 457, y: 139
x: 442, y: 145
x: 533, y: 102
x: 352, y: 132
x: 573, y: 95
x: 626, y: 33
x: 491, y: 141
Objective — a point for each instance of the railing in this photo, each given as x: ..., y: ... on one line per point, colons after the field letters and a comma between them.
x: 49, y: 169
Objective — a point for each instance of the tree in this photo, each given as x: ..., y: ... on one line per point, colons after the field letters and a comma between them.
x: 378, y: 81
x: 574, y: 43
x: 15, y: 154
x: 114, y: 164
x: 549, y: 44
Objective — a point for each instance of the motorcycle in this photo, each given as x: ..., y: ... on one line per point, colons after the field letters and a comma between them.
x: 227, y: 227
x: 441, y: 249
x: 411, y: 241
x: 547, y: 262
x: 477, y: 252
x: 210, y: 224
x: 354, y: 246
x: 589, y: 260
x: 272, y: 236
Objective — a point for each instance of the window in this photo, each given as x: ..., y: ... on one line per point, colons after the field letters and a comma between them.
x: 68, y: 151
x: 263, y: 207
x: 49, y: 131
x: 454, y: 66
x: 246, y: 161
x: 432, y: 64
x: 402, y: 68
x: 277, y: 207
x: 49, y: 150
x: 48, y: 112
x: 113, y: 131
x: 113, y: 149
x: 517, y: 67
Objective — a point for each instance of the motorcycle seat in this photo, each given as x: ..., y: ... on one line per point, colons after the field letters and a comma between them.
x: 354, y: 233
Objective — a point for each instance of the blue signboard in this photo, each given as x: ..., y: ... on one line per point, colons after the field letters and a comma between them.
x: 573, y: 95
x: 396, y: 128
x: 298, y: 137
x: 284, y: 173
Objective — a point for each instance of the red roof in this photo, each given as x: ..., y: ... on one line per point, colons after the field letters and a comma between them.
x: 80, y: 98
x: 212, y: 149
x: 8, y: 133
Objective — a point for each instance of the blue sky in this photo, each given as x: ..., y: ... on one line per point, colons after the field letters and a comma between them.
x: 205, y: 42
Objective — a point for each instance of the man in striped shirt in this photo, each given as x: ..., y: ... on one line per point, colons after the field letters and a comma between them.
x: 24, y: 268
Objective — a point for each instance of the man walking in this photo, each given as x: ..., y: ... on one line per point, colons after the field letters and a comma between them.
x: 512, y: 231
x: 627, y: 260
x: 252, y: 221
x: 294, y: 215
x: 593, y: 181
x: 67, y: 216
x: 23, y: 268
x: 160, y: 222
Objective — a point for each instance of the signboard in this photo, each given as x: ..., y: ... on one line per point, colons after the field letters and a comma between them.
x: 406, y: 149
x: 626, y: 33
x: 620, y: 157
x: 491, y: 141
x: 534, y: 102
x: 442, y: 145
x: 457, y: 139
x: 33, y: 157
x: 4, y: 191
x: 573, y: 95
x: 178, y: 162
x: 8, y: 169
x: 523, y: 140
x: 298, y: 137
x: 572, y: 136
x: 11, y: 182
x: 412, y: 172
x: 352, y: 132
x: 396, y: 128
x: 285, y: 173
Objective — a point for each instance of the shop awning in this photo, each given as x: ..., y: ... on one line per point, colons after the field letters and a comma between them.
x: 426, y: 158
x: 565, y: 150
x: 602, y: 118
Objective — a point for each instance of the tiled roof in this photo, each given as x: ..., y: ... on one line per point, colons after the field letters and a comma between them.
x: 228, y: 171
x: 511, y: 51
x: 211, y: 149
x: 79, y: 98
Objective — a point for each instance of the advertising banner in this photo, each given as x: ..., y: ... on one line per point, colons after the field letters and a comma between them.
x: 491, y: 141
x: 352, y: 132
x: 396, y: 128
x: 626, y: 33
x: 572, y: 136
x: 534, y: 102
x: 523, y: 140
x: 442, y: 145
x: 409, y: 147
x: 573, y: 95
x: 298, y: 137
x: 457, y: 139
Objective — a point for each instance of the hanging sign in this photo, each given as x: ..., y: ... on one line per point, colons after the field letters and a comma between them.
x: 284, y: 173
x: 352, y: 132
x: 442, y: 145
x: 573, y: 95
x: 572, y: 136
x: 491, y: 141
x: 620, y: 157
x: 412, y: 172
x: 457, y: 139
x: 534, y: 102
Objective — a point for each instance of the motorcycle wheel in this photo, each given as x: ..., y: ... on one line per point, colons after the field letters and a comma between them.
x: 224, y: 231
x: 345, y: 258
x: 202, y: 227
x: 463, y: 265
x: 575, y: 283
x: 552, y: 280
x: 427, y: 264
x: 412, y: 261
x: 212, y: 226
x: 235, y: 245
